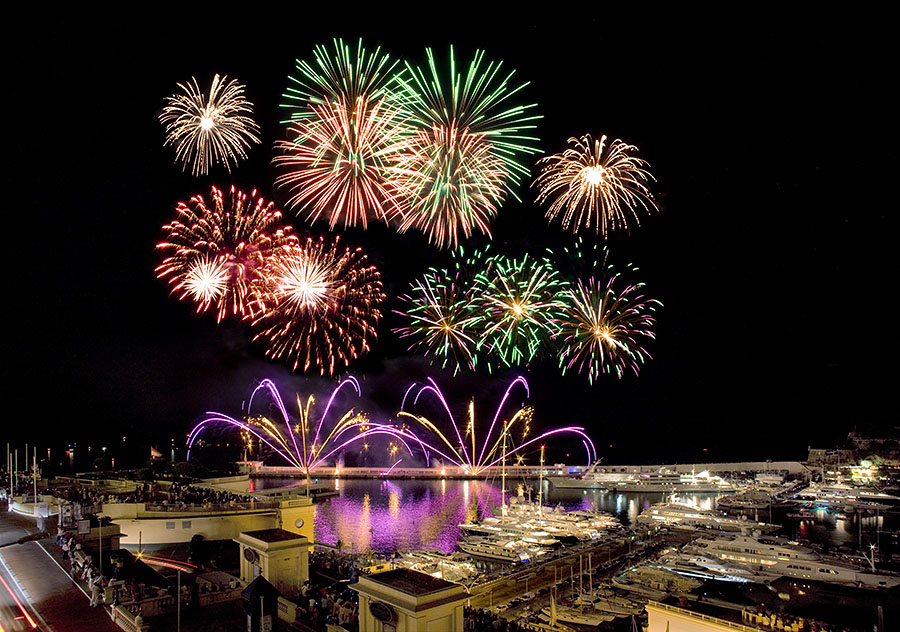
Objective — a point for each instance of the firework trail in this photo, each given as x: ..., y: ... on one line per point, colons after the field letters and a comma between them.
x: 319, y: 305
x: 592, y: 184
x: 207, y: 129
x: 216, y: 248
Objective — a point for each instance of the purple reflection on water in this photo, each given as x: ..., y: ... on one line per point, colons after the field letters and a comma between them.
x: 387, y: 515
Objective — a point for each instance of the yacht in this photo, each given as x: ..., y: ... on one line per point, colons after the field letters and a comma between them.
x: 681, y: 515
x: 754, y: 498
x: 609, y: 602
x: 577, y: 616
x: 654, y: 582
x: 780, y: 557
x: 511, y: 550
x: 670, y: 482
x: 700, y: 567
x: 593, y: 478
x: 510, y: 528
x: 847, y: 497
x: 455, y: 568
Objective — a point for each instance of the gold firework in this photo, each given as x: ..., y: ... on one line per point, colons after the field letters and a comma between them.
x: 319, y: 305
x: 592, y: 184
x: 213, y: 128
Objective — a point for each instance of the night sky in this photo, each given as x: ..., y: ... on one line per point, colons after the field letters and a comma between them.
x: 773, y: 143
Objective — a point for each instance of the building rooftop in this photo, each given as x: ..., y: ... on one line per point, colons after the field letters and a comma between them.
x: 411, y: 582
x: 273, y: 535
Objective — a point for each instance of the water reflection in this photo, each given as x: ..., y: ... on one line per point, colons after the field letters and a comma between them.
x: 386, y: 515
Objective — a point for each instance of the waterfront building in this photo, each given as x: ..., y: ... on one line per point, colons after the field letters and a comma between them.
x: 151, y: 524
x: 403, y: 600
x: 282, y: 557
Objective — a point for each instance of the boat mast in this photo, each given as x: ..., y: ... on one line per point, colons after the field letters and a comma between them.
x: 503, y: 471
x: 541, y: 485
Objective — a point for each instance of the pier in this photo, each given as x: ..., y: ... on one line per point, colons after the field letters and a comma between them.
x: 257, y: 469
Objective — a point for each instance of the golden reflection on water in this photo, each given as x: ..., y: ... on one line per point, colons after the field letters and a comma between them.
x: 394, y: 503
x: 363, y: 539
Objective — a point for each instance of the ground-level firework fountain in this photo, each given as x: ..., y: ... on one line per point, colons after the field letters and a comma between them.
x: 460, y: 453
x: 315, y: 447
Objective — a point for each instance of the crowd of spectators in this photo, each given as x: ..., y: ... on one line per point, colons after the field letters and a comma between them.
x: 181, y: 494
x: 176, y: 494
x: 760, y: 616
x: 320, y: 605
x: 334, y: 565
x: 325, y: 598
x: 122, y: 587
x: 479, y: 619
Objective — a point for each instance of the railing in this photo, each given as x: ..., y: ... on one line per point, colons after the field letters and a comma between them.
x: 287, y: 610
x: 703, y: 617
x: 212, y: 507
x: 125, y: 620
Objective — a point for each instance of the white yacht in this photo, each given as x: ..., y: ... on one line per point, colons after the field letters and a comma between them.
x: 672, y: 482
x: 847, y: 497
x: 681, y: 515
x: 511, y: 551
x: 593, y: 478
x: 455, y: 568
x: 505, y: 527
x: 780, y: 557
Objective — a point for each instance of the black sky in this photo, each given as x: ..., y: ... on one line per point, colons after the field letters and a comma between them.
x: 773, y: 142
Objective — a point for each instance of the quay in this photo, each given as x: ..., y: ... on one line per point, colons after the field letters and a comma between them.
x: 256, y: 469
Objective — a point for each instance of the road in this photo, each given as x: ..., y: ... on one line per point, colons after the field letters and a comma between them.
x: 36, y: 592
x: 16, y: 614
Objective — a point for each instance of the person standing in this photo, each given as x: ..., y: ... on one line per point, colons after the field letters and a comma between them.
x: 95, y: 593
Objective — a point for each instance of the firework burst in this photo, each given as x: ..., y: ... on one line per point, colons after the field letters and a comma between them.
x: 348, y: 122
x: 319, y: 305
x: 592, y: 184
x: 452, y: 184
x: 602, y: 329
x: 214, y: 250
x: 463, y: 159
x: 441, y: 323
x: 517, y: 302
x: 213, y: 128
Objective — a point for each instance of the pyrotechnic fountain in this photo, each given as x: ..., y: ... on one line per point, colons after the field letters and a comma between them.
x: 492, y: 448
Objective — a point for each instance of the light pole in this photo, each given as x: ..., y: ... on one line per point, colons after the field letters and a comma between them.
x: 178, y: 601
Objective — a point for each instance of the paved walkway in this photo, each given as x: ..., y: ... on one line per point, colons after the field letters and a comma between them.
x: 61, y: 604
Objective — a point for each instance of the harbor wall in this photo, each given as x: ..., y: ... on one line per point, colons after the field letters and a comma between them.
x: 257, y: 469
